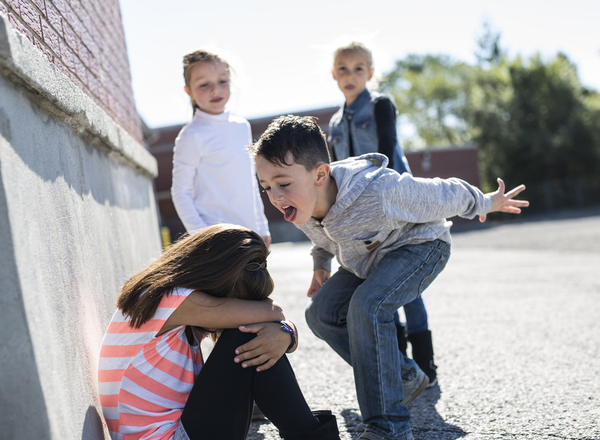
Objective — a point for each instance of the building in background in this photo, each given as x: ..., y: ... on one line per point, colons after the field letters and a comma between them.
x: 77, y: 209
x: 440, y: 162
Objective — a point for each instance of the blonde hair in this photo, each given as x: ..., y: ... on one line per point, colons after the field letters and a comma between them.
x: 192, y: 59
x: 354, y: 48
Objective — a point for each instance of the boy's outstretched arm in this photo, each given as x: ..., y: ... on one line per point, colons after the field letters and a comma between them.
x: 504, y: 202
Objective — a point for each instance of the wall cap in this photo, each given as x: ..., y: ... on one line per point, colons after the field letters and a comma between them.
x: 42, y: 82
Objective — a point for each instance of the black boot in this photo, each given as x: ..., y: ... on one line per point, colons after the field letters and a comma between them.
x: 422, y: 351
x: 402, y: 344
x: 327, y: 431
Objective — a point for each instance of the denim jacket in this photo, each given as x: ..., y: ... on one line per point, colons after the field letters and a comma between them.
x: 359, y: 121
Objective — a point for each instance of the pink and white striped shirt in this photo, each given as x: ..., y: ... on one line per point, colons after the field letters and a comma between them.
x: 144, y: 380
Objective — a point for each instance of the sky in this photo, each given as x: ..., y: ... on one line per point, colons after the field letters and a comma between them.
x: 281, y: 52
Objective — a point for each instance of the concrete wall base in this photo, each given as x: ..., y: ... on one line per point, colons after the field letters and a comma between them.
x: 77, y: 217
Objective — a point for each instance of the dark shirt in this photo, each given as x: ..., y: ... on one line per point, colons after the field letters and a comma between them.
x: 385, y: 119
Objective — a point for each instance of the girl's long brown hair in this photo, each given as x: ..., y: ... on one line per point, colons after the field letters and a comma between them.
x: 214, y: 260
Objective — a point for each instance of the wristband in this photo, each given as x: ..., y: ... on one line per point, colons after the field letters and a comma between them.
x: 286, y: 327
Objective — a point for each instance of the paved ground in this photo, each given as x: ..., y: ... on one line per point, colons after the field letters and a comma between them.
x: 516, y: 325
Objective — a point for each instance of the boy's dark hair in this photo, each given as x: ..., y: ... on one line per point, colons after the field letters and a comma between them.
x: 300, y: 136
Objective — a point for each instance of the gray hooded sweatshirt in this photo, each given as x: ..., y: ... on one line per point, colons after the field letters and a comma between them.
x: 378, y: 210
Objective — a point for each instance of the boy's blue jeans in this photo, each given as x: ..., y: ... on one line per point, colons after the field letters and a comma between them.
x: 356, y: 318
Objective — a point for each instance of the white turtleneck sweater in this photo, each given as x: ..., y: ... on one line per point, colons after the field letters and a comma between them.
x: 214, y: 176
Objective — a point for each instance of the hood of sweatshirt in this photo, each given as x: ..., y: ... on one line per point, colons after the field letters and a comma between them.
x: 353, y: 176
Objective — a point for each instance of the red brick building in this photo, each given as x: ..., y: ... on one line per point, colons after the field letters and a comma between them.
x: 84, y: 39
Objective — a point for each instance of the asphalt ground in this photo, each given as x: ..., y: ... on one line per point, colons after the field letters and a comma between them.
x: 515, y: 318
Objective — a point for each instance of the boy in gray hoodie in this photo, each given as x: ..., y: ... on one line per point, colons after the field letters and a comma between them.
x: 391, y: 238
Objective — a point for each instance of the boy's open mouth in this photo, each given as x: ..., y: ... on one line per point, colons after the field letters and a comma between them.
x: 289, y: 213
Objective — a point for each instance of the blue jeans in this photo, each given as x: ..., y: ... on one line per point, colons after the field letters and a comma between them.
x: 356, y: 318
x: 416, y: 317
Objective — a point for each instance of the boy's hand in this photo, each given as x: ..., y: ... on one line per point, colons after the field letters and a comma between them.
x: 504, y: 202
x: 266, y: 348
x: 319, y: 278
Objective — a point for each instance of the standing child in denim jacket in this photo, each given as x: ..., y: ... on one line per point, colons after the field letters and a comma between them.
x: 366, y: 123
x: 390, y: 236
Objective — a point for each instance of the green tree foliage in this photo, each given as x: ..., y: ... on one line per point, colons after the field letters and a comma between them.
x: 536, y: 122
x: 432, y: 92
x: 531, y: 119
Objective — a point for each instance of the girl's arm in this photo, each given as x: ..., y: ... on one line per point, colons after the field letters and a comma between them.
x: 202, y: 310
x: 385, y: 119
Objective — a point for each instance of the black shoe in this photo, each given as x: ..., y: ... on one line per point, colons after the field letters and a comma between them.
x: 327, y: 431
x: 422, y: 351
x: 401, y: 333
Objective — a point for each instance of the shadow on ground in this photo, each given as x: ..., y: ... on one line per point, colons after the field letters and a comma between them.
x: 426, y: 423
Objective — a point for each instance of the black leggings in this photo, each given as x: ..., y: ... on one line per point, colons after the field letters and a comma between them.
x: 220, y: 403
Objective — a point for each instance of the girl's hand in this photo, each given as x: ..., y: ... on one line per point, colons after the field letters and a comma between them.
x: 267, y: 240
x: 266, y: 348
x: 504, y: 202
x: 319, y: 278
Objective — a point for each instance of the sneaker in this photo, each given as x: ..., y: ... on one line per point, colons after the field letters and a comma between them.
x: 414, y: 387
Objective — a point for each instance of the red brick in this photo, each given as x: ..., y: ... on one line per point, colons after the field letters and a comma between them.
x: 89, y: 42
x: 61, y: 66
x: 70, y: 17
x: 87, y: 58
x: 91, y: 6
x: 51, y: 37
x: 3, y: 9
x: 97, y: 87
x: 94, y: 85
x: 30, y: 16
x: 120, y: 112
x: 113, y: 11
x: 78, y: 83
x: 14, y: 5
x: 82, y: 14
x: 80, y: 70
x: 70, y: 36
x: 17, y: 25
x: 61, y: 6
x: 44, y: 49
x: 54, y: 18
x: 68, y: 57
x: 41, y: 5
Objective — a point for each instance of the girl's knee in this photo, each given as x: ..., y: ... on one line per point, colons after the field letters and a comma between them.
x: 232, y: 338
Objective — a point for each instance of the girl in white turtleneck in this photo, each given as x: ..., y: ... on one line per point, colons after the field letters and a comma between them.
x: 214, y: 176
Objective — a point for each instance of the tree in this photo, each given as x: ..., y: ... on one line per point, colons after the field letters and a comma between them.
x: 432, y: 92
x: 536, y: 121
x: 532, y: 120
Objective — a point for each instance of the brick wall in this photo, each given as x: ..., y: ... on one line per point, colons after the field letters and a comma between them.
x: 85, y: 40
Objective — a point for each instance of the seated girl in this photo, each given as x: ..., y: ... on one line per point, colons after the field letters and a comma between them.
x: 153, y: 381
